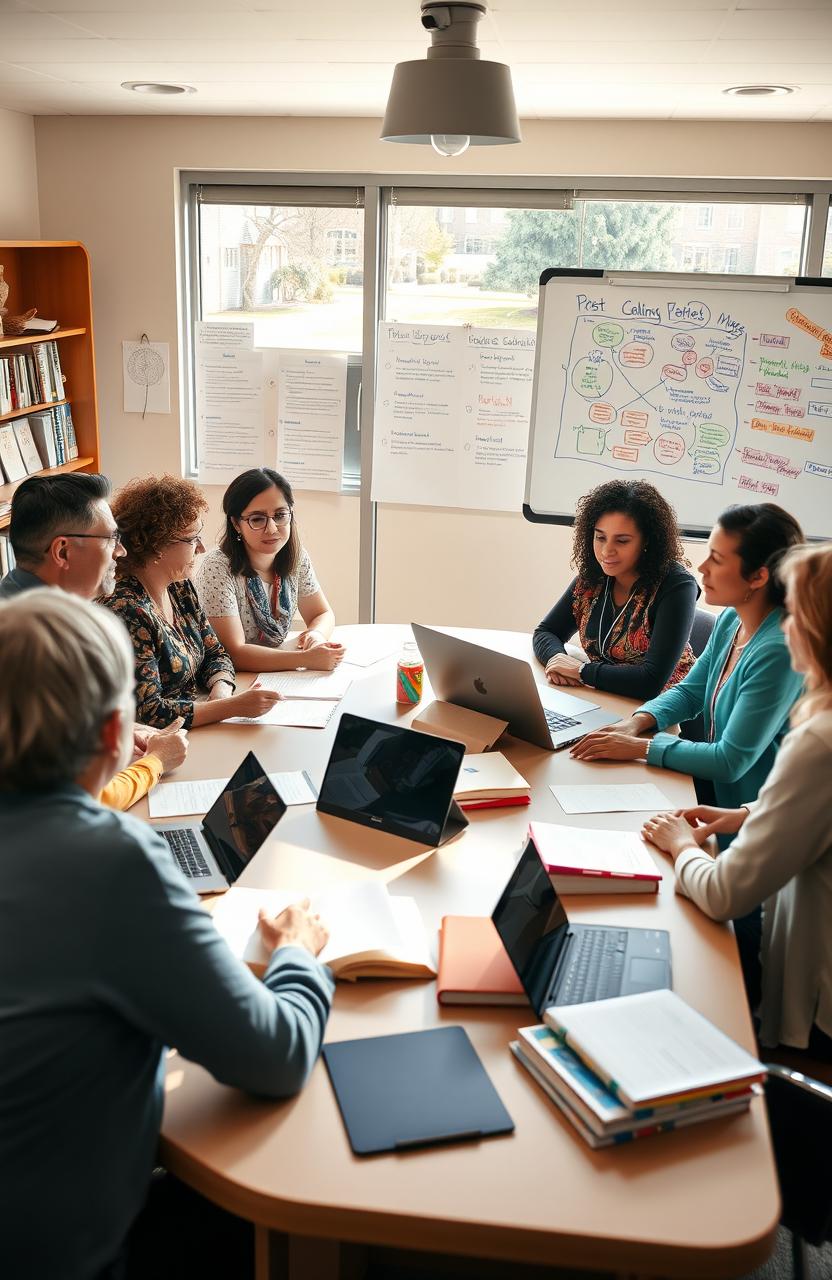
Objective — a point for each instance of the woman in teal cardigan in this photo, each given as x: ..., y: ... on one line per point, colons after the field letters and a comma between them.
x: 743, y: 682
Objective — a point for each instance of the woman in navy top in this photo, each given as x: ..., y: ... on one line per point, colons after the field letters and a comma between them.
x: 632, y: 601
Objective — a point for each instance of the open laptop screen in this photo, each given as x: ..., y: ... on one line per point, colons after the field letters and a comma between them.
x: 533, y: 925
x: 398, y: 780
x: 242, y: 817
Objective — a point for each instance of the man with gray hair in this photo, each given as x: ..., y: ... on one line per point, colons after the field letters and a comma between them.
x: 106, y: 956
x: 63, y: 534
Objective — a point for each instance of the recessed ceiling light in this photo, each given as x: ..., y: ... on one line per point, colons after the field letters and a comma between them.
x: 758, y: 90
x: 142, y: 86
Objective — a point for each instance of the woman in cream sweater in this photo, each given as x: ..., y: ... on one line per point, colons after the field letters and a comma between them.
x: 782, y: 855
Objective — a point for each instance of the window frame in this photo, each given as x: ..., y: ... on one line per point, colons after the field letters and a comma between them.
x: 490, y: 191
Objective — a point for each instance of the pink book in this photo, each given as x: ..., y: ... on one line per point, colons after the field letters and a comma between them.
x: 594, y: 854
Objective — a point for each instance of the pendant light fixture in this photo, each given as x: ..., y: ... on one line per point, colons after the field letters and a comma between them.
x: 452, y: 99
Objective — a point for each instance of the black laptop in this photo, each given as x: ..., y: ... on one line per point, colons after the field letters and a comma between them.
x: 393, y: 779
x: 562, y: 963
x: 213, y: 853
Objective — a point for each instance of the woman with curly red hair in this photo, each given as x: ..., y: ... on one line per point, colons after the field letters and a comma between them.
x: 177, y: 650
x: 632, y: 601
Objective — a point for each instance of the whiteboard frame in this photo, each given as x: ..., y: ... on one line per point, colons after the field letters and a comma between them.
x: 657, y: 279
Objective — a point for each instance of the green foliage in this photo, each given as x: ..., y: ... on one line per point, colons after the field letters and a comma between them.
x: 632, y: 237
x: 436, y: 246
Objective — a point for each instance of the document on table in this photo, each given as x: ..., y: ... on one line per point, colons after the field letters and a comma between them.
x: 307, y: 684
x: 296, y: 713
x: 180, y: 799
x: 362, y: 650
x: 641, y: 797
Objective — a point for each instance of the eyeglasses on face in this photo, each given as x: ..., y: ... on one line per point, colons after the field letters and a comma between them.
x: 193, y: 540
x: 258, y: 522
x: 114, y: 538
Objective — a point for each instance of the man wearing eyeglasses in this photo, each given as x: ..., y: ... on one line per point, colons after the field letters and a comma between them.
x: 63, y: 534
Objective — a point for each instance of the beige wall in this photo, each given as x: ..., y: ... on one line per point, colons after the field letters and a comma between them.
x: 111, y: 182
x: 19, y: 218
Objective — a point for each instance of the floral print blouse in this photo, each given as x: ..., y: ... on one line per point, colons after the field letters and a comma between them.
x: 172, y: 662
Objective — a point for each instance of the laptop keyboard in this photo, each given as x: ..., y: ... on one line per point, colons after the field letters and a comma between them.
x: 596, y: 964
x: 557, y: 722
x: 185, y: 849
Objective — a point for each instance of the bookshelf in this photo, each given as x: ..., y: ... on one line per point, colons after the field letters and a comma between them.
x: 54, y: 276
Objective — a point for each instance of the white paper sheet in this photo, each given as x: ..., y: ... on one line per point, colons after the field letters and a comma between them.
x: 452, y: 415
x: 229, y: 407
x: 641, y: 797
x: 311, y: 412
x: 308, y: 684
x: 180, y: 799
x: 362, y: 650
x: 210, y: 333
x: 300, y: 713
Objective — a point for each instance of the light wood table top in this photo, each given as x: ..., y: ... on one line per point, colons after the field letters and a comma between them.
x: 700, y: 1201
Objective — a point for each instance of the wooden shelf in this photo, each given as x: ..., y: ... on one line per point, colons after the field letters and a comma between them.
x: 27, y: 339
x: 6, y: 490
x: 32, y: 408
x: 54, y: 276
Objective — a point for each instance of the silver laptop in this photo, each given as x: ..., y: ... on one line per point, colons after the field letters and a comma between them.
x: 484, y: 680
x: 563, y: 963
x: 213, y: 853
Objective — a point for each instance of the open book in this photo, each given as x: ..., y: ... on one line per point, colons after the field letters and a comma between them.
x: 371, y: 933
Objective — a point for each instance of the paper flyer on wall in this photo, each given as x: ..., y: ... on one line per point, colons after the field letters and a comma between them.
x: 452, y: 415
x: 229, y: 407
x: 311, y: 412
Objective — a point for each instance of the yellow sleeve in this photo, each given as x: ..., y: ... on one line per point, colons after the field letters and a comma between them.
x: 132, y: 783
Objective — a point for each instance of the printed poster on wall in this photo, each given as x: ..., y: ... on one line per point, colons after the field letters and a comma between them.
x: 229, y: 408
x: 311, y: 413
x: 452, y: 415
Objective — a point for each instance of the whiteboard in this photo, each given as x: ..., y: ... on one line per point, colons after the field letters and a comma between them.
x: 716, y: 389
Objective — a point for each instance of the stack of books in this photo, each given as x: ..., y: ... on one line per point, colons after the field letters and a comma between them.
x: 488, y: 780
x: 31, y: 377
x: 584, y: 860
x: 637, y: 1065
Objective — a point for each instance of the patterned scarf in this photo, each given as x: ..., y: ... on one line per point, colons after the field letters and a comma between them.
x: 629, y: 638
x: 271, y: 630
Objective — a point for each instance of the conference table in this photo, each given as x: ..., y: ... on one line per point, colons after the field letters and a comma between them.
x: 699, y: 1201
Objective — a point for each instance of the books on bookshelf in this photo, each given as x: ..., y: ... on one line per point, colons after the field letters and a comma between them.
x: 637, y: 1065
x: 372, y: 934
x: 7, y: 560
x: 31, y: 376
x: 11, y: 461
x: 583, y: 860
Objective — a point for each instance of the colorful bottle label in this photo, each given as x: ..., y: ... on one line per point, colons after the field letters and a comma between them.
x: 409, y: 680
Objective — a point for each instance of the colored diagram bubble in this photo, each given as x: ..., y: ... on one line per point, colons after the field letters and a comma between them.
x: 633, y: 418
x: 601, y: 412
x: 625, y: 455
x: 669, y: 448
x: 688, y: 358
x: 592, y: 379
x: 729, y: 365
x: 705, y: 367
x: 607, y: 335
x: 706, y: 463
x: 674, y: 373
x: 636, y: 355
x: 711, y: 436
x: 590, y: 440
x: 716, y: 385
x: 637, y: 437
x: 682, y: 342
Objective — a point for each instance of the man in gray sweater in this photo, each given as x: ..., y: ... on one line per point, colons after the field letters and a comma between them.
x: 106, y: 957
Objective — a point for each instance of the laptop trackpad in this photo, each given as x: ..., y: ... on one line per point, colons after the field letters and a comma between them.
x: 646, y: 974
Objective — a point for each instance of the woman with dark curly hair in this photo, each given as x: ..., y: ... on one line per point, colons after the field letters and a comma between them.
x: 632, y: 601
x: 176, y: 648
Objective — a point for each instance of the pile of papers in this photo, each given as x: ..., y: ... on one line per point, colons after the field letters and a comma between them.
x: 309, y: 698
x: 637, y: 1065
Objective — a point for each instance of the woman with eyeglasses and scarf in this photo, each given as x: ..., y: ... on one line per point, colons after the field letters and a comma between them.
x: 251, y: 585
x: 178, y: 654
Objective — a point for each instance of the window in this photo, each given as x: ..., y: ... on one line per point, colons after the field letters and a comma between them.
x: 476, y: 244
x: 705, y: 217
x: 827, y: 252
x: 695, y: 257
x: 735, y: 218
x: 732, y: 258
x: 343, y: 245
x: 231, y: 258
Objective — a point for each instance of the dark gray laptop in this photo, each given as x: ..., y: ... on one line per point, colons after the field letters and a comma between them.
x: 562, y: 963
x: 213, y: 853
x: 483, y: 680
